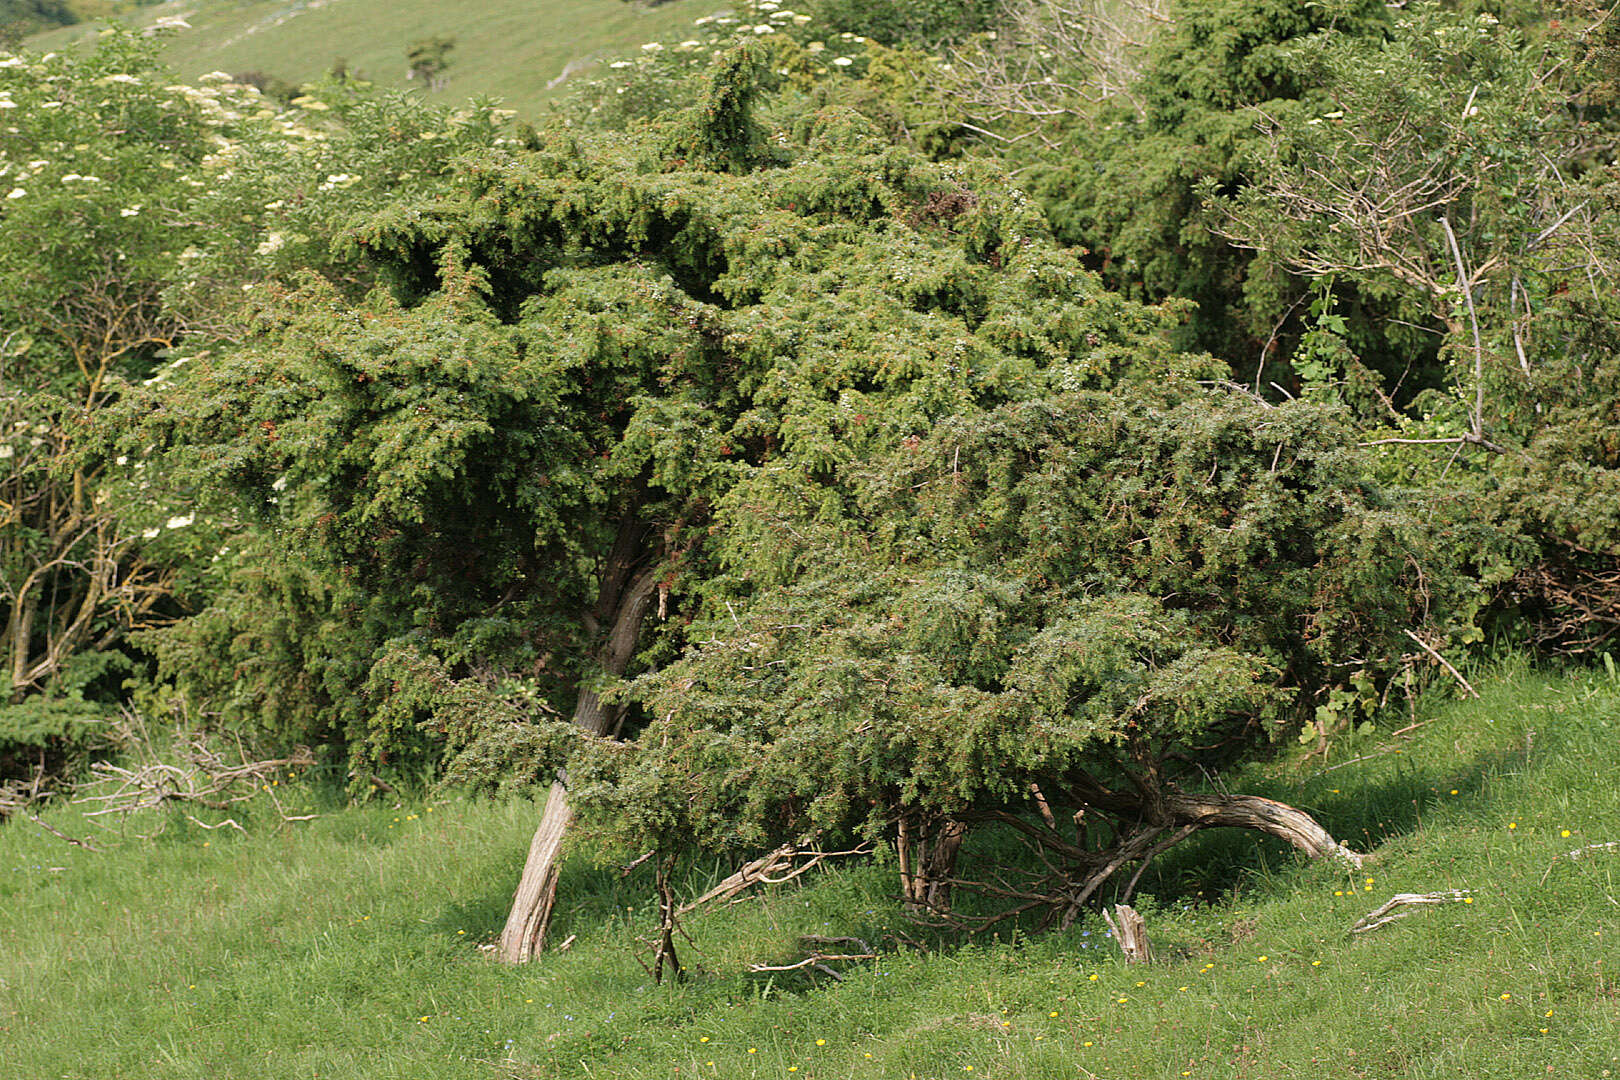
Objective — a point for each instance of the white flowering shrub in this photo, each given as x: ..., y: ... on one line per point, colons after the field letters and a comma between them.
x: 661, y: 77
x: 97, y: 161
x: 138, y: 217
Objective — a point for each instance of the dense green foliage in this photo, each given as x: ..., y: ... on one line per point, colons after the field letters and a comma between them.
x: 136, y: 215
x: 1454, y: 175
x: 790, y: 436
x: 1133, y: 202
x: 98, y: 166
x: 592, y: 342
x: 1078, y: 590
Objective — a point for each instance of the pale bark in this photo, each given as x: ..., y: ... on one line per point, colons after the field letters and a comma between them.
x: 625, y: 596
x: 928, y: 863
x: 1130, y: 931
x: 525, y: 931
x: 1265, y: 815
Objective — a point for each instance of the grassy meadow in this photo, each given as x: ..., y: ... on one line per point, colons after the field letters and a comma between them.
x: 507, y: 48
x: 349, y: 945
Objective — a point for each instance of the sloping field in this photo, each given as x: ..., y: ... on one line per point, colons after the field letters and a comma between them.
x: 349, y: 946
x: 514, y: 49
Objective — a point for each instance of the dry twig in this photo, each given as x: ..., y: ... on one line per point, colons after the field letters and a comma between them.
x: 772, y: 868
x: 818, y: 960
x: 1426, y: 647
x: 1580, y: 853
x: 1387, y: 913
x: 199, y: 776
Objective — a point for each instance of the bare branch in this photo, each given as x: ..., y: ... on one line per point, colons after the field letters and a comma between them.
x: 200, y: 776
x: 1386, y: 912
x: 1426, y: 647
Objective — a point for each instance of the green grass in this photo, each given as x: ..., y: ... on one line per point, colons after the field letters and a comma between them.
x: 507, y: 48
x: 348, y: 946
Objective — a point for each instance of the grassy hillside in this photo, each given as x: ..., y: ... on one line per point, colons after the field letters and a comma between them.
x: 510, y: 48
x: 349, y: 946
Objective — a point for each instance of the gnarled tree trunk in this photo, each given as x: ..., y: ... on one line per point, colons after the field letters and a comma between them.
x: 1144, y: 820
x: 927, y: 854
x: 626, y: 593
x: 1265, y: 815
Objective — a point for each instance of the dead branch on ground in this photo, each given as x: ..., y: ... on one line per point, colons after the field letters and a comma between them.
x: 773, y: 868
x: 817, y: 960
x: 20, y: 796
x: 1387, y: 911
x: 198, y: 775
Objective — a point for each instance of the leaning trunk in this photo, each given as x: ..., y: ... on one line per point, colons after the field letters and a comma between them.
x: 1265, y: 815
x: 1144, y: 820
x: 623, y: 604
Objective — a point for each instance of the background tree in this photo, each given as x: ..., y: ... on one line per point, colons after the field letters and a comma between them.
x: 1116, y: 116
x: 428, y: 58
x: 100, y: 164
x: 19, y: 18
